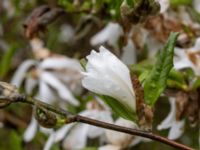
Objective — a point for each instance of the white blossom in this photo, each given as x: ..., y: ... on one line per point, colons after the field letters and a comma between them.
x: 48, y: 75
x: 164, y: 5
x: 188, y: 58
x: 75, y: 135
x: 110, y: 34
x: 107, y: 75
x: 176, y: 126
x: 117, y: 140
x: 196, y: 5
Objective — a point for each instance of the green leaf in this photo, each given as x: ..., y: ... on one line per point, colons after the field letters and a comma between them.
x: 176, y: 79
x: 119, y: 108
x: 156, y: 82
x: 15, y: 143
x: 6, y: 61
x: 176, y: 3
x: 196, y: 84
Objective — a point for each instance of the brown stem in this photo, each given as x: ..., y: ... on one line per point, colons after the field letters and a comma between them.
x: 114, y: 127
x: 77, y: 118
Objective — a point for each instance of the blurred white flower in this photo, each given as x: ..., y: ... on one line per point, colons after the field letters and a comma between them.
x: 57, y: 77
x: 176, y: 126
x: 196, y: 4
x: 129, y: 53
x: 67, y: 33
x: 109, y: 147
x: 188, y: 58
x: 9, y: 7
x: 107, y: 75
x: 75, y: 135
x: 110, y: 34
x: 164, y: 5
x: 117, y: 140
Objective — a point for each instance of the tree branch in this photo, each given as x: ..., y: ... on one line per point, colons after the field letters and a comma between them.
x: 14, y: 97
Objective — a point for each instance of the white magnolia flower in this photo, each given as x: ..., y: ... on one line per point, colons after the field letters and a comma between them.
x: 56, y: 77
x: 196, y: 5
x: 189, y: 58
x: 67, y: 34
x: 118, y: 141
x: 109, y: 147
x: 107, y: 75
x: 110, y: 34
x: 129, y: 53
x: 164, y: 5
x: 176, y: 126
x: 118, y: 138
x: 75, y: 135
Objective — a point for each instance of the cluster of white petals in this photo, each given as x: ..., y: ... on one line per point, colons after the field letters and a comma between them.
x: 107, y: 75
x: 188, y: 58
x: 75, y: 136
x: 57, y: 78
x: 118, y: 141
x: 176, y: 126
x: 110, y: 34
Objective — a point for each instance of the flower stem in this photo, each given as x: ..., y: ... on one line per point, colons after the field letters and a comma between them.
x: 77, y: 118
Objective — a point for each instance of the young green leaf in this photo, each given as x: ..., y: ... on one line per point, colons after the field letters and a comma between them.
x: 156, y: 82
x: 120, y: 109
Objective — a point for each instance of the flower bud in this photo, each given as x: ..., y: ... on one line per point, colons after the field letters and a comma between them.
x: 8, y: 93
x: 45, y: 118
x: 139, y: 10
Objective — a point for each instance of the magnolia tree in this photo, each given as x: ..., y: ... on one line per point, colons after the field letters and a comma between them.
x: 100, y: 75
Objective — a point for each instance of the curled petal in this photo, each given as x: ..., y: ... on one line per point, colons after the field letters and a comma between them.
x: 31, y: 130
x: 60, y: 63
x: 49, y: 142
x: 176, y: 130
x: 21, y: 72
x: 62, y: 90
x: 77, y: 138
x: 121, y: 139
x: 110, y: 34
x: 169, y: 120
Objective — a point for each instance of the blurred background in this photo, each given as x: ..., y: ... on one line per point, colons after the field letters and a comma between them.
x: 72, y: 34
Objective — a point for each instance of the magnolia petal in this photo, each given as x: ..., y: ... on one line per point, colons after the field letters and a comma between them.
x: 197, y: 43
x: 169, y: 120
x: 46, y: 131
x: 109, y: 147
x: 49, y: 142
x: 31, y: 130
x: 62, y: 132
x: 176, y: 130
x: 196, y: 5
x: 107, y: 75
x: 21, y: 72
x: 136, y: 140
x: 110, y: 34
x: 121, y: 139
x: 30, y: 84
x: 129, y: 53
x: 62, y: 90
x: 98, y: 115
x: 77, y: 138
x: 60, y: 63
x: 164, y: 5
x: 45, y: 94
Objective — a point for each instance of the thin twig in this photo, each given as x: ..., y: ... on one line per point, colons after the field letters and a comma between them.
x: 77, y: 118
